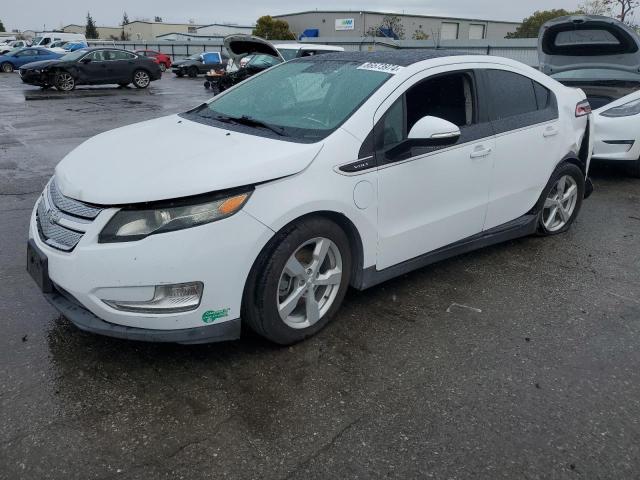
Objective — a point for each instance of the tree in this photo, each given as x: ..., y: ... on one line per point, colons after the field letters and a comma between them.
x: 2, y: 27
x: 623, y: 10
x: 530, y: 26
x: 157, y: 19
x: 391, y: 25
x: 124, y: 36
x: 420, y: 35
x: 90, y: 30
x: 270, y: 29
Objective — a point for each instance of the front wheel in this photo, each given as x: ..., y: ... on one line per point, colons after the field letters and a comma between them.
x: 65, y: 82
x: 563, y: 197
x: 635, y: 169
x: 299, y: 282
x: 6, y: 67
x: 141, y: 79
x: 193, y: 72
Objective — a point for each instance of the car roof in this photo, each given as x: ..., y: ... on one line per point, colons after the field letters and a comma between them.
x: 402, y: 58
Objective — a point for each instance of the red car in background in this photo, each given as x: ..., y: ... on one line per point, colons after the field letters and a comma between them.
x: 160, y: 58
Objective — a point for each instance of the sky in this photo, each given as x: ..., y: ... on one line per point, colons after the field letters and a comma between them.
x: 52, y: 14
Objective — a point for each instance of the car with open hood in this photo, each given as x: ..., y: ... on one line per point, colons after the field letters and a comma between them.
x: 601, y: 56
x: 291, y: 50
x: 92, y: 66
x: 199, y: 63
x: 324, y: 172
x: 261, y: 56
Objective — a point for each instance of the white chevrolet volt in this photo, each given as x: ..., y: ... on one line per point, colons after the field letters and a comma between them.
x: 324, y: 172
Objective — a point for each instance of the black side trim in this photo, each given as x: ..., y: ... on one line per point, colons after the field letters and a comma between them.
x: 359, y: 165
x: 87, y: 321
x: 619, y: 142
x: 520, y: 227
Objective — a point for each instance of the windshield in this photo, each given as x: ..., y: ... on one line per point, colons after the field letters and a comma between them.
x: 596, y: 75
x: 73, y: 56
x: 303, y: 99
x: 288, y: 53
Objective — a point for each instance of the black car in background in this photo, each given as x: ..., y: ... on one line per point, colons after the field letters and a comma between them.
x: 92, y: 66
x: 200, y: 63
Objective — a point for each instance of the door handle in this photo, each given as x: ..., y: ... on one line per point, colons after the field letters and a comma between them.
x: 550, y: 132
x: 480, y: 152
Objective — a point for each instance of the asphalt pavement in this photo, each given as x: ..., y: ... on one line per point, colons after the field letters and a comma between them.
x: 518, y: 361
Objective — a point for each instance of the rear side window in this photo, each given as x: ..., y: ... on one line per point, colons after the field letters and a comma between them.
x: 543, y: 95
x: 511, y: 94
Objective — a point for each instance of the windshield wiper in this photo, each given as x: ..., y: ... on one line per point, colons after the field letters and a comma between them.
x: 249, y: 122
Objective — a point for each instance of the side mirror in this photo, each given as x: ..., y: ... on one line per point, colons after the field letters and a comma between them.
x: 434, y: 131
x: 86, y: 60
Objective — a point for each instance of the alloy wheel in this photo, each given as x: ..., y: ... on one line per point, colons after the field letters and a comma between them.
x: 560, y: 204
x: 163, y: 67
x: 309, y: 283
x: 141, y: 79
x: 65, y: 82
x: 7, y: 67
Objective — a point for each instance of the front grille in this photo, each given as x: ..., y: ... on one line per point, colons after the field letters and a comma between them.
x: 62, y: 221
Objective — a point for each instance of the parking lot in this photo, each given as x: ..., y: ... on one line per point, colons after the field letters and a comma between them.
x: 516, y: 361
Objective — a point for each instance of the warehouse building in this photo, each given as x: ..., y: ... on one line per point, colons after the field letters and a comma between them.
x: 344, y: 24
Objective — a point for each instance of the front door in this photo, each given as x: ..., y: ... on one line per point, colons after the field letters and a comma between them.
x: 431, y: 197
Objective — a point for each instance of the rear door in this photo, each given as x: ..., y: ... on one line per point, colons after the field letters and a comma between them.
x: 524, y: 116
x: 123, y: 65
x: 587, y: 41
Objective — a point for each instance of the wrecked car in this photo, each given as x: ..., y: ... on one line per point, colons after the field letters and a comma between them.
x: 92, y: 66
x: 601, y: 56
x: 263, y: 55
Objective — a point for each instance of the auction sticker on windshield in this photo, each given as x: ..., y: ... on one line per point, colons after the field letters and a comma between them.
x: 380, y: 67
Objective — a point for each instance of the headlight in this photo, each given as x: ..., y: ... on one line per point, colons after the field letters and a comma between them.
x: 626, y: 110
x: 135, y: 224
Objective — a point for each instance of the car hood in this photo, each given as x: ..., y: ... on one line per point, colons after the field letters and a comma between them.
x: 587, y: 41
x: 40, y: 64
x: 239, y: 46
x: 172, y: 157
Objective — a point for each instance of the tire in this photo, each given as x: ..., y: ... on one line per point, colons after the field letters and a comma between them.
x: 141, y: 78
x: 65, y: 82
x: 207, y: 84
x: 163, y: 67
x: 276, y: 299
x: 635, y: 169
x: 179, y: 74
x: 193, y: 72
x: 6, y: 67
x: 561, y: 200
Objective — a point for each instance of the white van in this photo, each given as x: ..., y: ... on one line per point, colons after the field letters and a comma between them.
x: 44, y: 39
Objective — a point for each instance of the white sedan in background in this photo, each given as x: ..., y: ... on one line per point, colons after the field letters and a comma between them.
x: 601, y: 56
x: 324, y: 172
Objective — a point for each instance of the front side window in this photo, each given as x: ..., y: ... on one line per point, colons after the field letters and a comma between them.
x: 450, y: 97
x: 288, y: 53
x: 303, y: 99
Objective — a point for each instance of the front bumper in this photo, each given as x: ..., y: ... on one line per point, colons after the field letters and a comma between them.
x: 616, y: 138
x: 88, y: 322
x: 219, y: 254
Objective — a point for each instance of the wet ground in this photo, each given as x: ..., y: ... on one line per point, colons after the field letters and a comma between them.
x: 540, y: 378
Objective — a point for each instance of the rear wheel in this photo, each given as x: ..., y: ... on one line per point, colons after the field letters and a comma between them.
x: 193, y: 72
x: 163, y: 67
x: 299, y: 282
x: 179, y: 74
x: 141, y: 79
x: 6, y: 67
x: 561, y: 200
x: 65, y: 82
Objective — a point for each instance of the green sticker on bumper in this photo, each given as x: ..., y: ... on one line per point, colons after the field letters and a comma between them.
x: 211, y: 316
